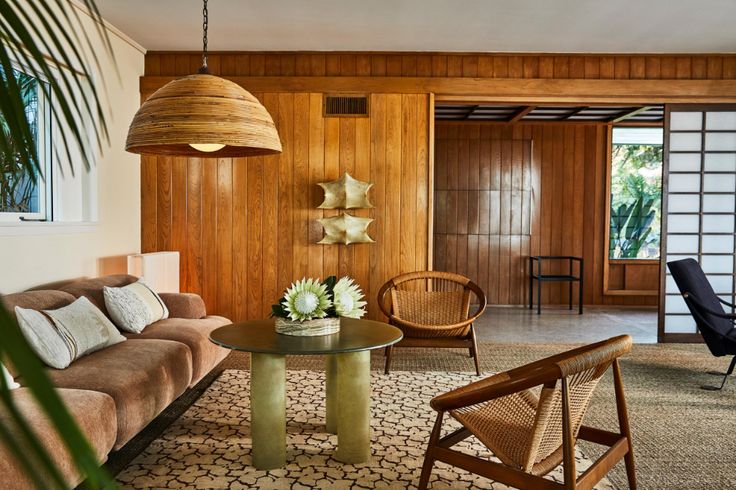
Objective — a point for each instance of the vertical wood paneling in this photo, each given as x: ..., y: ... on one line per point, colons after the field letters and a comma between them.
x: 593, y: 66
x: 482, y: 236
x: 224, y: 237
x: 205, y: 224
x: 541, y: 193
x: 247, y: 228
x: 149, y: 205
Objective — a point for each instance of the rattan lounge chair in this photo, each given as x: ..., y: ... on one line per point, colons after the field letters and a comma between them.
x: 531, y: 434
x: 432, y: 310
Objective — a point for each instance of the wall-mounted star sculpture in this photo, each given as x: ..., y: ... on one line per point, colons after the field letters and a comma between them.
x: 346, y: 193
x: 345, y: 229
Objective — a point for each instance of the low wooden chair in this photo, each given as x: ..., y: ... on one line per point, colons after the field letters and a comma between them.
x: 531, y: 434
x: 432, y: 310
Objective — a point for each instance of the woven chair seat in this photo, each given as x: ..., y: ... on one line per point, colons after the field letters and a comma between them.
x: 504, y: 425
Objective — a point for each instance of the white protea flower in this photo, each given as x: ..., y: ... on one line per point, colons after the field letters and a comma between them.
x: 306, y: 299
x: 348, y: 298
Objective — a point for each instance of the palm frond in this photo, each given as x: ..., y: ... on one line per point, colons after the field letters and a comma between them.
x: 49, y: 41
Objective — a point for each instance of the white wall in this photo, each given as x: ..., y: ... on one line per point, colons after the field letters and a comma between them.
x: 33, y: 254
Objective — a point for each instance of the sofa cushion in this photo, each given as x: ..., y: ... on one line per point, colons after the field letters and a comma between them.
x: 61, y: 336
x: 93, y: 411
x: 195, y: 335
x: 93, y: 288
x: 134, y: 307
x: 35, y: 300
x: 184, y: 305
x: 38, y: 300
x: 142, y: 376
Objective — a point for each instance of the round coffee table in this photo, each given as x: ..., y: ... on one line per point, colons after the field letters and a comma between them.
x: 348, y: 382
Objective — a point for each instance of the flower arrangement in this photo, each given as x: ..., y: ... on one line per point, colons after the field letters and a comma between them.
x: 312, y: 307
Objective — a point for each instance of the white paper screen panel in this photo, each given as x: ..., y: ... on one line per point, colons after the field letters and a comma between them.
x: 700, y: 205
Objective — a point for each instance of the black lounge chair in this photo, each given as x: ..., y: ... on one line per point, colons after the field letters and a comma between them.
x: 715, y: 325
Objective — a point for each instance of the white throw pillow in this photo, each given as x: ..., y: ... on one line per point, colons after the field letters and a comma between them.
x: 8, y: 378
x: 134, y: 307
x: 43, y: 337
x: 62, y: 336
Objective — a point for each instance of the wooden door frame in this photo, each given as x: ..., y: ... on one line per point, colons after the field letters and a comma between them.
x: 607, y: 229
x: 662, y: 336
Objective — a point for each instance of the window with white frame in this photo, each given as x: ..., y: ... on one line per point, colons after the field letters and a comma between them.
x: 23, y: 195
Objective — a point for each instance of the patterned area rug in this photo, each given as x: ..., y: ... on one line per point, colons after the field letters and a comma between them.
x: 209, y: 445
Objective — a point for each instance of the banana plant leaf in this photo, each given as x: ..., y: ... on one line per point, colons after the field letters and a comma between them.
x: 48, y: 40
x: 631, y: 225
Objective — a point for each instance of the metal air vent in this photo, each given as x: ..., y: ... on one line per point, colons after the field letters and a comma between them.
x: 346, y: 106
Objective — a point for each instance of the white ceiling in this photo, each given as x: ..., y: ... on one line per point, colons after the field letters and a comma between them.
x: 554, y: 26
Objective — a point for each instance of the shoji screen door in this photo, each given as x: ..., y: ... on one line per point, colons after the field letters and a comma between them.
x: 698, y: 205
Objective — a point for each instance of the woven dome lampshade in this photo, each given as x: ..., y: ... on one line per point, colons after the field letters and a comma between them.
x: 202, y: 115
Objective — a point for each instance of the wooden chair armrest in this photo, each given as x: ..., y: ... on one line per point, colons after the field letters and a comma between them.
x: 382, y: 298
x: 522, y: 378
x: 395, y: 320
x: 496, y: 386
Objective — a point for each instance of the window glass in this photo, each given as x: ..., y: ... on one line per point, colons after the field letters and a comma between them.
x: 23, y: 194
x: 636, y: 193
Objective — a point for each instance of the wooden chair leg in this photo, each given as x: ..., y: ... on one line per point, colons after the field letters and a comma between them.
x: 434, y: 438
x: 623, y: 423
x: 474, y: 350
x: 568, y: 441
x: 389, y: 351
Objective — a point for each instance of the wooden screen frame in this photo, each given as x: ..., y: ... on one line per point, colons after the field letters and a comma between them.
x: 662, y: 336
x: 607, y: 291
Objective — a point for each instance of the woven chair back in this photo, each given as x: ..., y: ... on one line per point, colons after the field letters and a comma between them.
x: 433, y: 299
x: 582, y: 371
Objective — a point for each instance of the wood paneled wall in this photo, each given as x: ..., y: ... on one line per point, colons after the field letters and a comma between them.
x: 714, y: 67
x: 246, y: 228
x: 567, y: 178
x: 483, y: 197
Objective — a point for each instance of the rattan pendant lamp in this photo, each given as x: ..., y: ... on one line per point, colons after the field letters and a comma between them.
x: 202, y: 116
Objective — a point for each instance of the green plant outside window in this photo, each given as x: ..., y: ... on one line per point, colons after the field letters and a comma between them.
x: 636, y: 193
x: 21, y: 190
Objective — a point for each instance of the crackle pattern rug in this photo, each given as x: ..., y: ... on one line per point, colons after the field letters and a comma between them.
x: 209, y: 445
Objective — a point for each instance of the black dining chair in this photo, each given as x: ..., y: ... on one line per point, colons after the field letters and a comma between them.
x: 715, y: 325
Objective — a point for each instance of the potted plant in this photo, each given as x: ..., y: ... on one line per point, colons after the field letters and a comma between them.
x: 311, y: 307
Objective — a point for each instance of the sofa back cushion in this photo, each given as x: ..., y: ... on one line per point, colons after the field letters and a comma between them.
x: 93, y: 288
x: 37, y: 300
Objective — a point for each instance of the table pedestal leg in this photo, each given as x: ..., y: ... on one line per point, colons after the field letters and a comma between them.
x: 268, y: 410
x: 331, y: 395
x: 353, y: 407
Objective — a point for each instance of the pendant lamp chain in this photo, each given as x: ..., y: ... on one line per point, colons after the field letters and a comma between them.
x: 205, y: 22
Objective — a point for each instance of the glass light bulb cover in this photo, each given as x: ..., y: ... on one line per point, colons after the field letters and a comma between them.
x: 207, y: 147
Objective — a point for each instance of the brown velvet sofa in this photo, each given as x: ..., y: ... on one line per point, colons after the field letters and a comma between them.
x: 115, y: 392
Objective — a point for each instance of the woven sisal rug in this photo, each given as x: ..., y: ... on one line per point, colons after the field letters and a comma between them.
x: 209, y: 446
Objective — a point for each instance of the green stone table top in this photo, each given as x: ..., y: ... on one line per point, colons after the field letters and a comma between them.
x: 260, y: 336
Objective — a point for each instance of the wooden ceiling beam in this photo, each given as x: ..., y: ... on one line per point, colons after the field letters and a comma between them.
x: 573, y: 112
x: 470, y: 112
x: 519, y: 115
x: 505, y: 90
x: 627, y: 114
